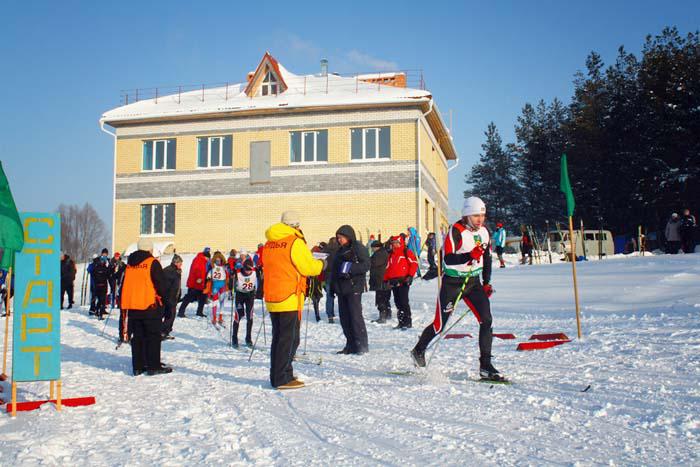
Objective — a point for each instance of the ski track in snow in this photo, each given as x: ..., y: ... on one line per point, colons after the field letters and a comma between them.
x: 640, y: 355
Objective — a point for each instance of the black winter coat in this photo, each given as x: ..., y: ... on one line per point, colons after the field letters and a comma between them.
x: 378, y: 263
x: 67, y: 271
x: 355, y: 253
x: 100, y: 274
x: 172, y: 278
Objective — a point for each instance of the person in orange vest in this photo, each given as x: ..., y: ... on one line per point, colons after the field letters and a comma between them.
x: 142, y: 289
x: 288, y: 262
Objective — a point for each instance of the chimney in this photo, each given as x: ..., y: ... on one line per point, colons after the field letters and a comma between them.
x: 250, y: 75
x: 324, y: 67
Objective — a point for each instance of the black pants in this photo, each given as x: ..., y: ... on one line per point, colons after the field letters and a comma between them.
x: 244, y: 307
x: 403, y: 306
x: 687, y: 242
x: 93, y: 297
x: 168, y: 318
x: 101, y: 294
x: 285, y: 341
x: 193, y: 295
x: 477, y: 301
x: 145, y: 341
x: 353, y: 323
x: 381, y: 300
x: 67, y: 288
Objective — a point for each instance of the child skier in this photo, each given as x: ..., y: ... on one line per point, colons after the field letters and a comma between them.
x: 218, y: 275
x: 466, y: 255
x: 246, y: 284
x: 499, y: 241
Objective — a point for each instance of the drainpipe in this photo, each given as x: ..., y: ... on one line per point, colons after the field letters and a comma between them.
x: 420, y: 167
x: 114, y: 180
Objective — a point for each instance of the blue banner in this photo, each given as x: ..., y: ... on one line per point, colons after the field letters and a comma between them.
x: 36, y: 344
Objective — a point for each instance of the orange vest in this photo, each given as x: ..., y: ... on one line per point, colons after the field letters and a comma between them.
x: 138, y: 292
x: 281, y: 277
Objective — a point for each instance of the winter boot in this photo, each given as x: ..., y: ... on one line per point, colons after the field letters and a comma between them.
x: 331, y: 320
x: 249, y: 332
x: 418, y: 357
x: 213, y: 315
x: 234, y: 335
x: 488, y: 372
x: 293, y: 384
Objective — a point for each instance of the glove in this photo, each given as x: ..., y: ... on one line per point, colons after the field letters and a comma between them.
x: 408, y: 280
x: 477, y: 253
x: 488, y: 290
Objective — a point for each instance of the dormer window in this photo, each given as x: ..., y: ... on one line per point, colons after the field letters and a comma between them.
x: 269, y: 86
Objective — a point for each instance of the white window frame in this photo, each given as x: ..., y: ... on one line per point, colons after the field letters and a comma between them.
x: 221, y: 153
x: 153, y: 219
x: 272, y: 80
x: 303, y: 147
x: 364, y: 145
x: 153, y: 157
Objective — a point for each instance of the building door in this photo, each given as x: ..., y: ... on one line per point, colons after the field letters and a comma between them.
x: 260, y: 162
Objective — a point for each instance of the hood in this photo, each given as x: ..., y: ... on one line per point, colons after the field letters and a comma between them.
x: 413, y: 231
x: 218, y: 255
x: 138, y: 257
x: 279, y: 231
x: 347, y: 231
x: 400, y: 239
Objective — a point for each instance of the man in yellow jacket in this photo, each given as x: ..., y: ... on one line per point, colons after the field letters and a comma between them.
x: 288, y: 262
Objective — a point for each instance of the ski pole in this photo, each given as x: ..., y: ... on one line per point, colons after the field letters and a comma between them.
x: 257, y: 336
x: 443, y: 333
x: 109, y: 315
x: 263, y: 323
x: 232, y: 313
x: 306, y: 332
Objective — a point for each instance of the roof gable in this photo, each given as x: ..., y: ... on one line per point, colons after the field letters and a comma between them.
x: 267, y: 64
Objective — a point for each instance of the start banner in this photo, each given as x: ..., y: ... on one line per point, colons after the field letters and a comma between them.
x: 36, y: 344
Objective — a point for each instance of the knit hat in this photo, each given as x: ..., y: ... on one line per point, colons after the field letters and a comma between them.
x: 291, y: 218
x: 473, y: 206
x: 144, y: 244
x: 376, y: 244
x: 176, y: 259
x: 105, y: 251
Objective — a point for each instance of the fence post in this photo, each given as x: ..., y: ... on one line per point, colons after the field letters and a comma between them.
x: 202, y: 92
x: 179, y: 94
x: 226, y: 91
x: 137, y: 94
x: 156, y: 95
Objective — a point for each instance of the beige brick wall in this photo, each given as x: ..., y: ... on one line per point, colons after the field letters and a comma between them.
x: 130, y: 151
x: 433, y: 161
x: 241, y: 222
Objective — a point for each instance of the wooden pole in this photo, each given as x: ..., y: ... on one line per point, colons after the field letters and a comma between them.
x: 573, y: 268
x: 59, y: 404
x: 52, y: 393
x: 8, y: 282
x: 14, y: 399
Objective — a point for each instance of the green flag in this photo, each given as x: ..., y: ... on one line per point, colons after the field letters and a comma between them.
x: 565, y: 187
x: 11, y: 231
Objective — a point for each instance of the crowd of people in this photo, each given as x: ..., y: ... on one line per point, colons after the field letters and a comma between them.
x: 285, y: 272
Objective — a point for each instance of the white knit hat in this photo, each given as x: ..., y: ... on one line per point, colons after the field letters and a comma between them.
x: 473, y: 206
x: 291, y: 218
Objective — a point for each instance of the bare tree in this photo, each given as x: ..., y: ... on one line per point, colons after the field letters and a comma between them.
x: 83, y: 233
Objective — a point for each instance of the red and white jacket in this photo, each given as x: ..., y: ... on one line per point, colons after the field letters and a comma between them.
x: 402, y: 262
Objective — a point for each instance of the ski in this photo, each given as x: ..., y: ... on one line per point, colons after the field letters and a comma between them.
x: 504, y: 381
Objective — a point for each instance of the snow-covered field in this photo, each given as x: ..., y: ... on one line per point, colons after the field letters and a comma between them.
x: 640, y: 356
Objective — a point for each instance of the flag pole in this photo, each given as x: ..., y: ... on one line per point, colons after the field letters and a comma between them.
x: 8, y: 282
x: 572, y: 243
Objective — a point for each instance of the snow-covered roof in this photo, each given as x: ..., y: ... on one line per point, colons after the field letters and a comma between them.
x: 302, y: 91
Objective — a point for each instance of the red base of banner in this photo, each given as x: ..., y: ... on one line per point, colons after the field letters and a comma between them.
x: 540, y: 345
x: 457, y: 336
x: 33, y: 405
x: 505, y: 336
x: 549, y: 337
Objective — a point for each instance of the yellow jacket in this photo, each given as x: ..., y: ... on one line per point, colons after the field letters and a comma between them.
x: 302, y: 259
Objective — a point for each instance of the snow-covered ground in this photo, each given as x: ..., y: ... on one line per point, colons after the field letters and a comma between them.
x: 640, y: 356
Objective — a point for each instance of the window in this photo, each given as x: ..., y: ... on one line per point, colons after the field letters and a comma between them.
x: 588, y: 236
x: 157, y: 219
x: 308, y: 146
x: 270, y: 85
x: 601, y: 236
x: 159, y: 154
x: 370, y: 143
x: 427, y: 215
x: 214, y: 151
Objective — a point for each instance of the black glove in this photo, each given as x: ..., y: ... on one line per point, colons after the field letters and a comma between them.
x: 408, y: 280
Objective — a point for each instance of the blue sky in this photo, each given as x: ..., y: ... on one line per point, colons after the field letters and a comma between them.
x: 64, y: 64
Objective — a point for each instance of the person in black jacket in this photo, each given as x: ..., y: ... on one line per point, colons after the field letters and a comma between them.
x: 172, y: 275
x: 67, y: 279
x: 100, y: 276
x: 382, y: 291
x: 144, y: 285
x: 350, y: 266
x: 687, y: 231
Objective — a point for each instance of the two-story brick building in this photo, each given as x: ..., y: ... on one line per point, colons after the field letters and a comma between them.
x: 215, y: 167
